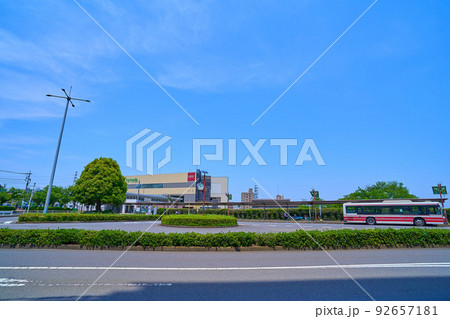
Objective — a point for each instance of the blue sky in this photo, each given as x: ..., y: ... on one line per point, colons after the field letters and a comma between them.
x: 376, y: 104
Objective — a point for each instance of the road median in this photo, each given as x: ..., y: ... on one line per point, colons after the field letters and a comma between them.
x: 302, y: 240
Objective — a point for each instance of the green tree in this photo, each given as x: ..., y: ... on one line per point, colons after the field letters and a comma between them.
x: 101, y: 182
x: 381, y: 190
x: 16, y: 195
x: 39, y: 196
x: 61, y: 195
x: 4, y: 195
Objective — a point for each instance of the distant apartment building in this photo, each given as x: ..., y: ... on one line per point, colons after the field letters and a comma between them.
x: 247, y: 197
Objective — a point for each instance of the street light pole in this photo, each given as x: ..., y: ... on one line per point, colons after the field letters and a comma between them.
x: 55, y: 161
x: 442, y: 202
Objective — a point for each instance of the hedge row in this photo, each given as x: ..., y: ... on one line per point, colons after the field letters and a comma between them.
x: 332, y: 239
x: 41, y: 208
x: 198, y: 220
x: 271, y: 213
x: 328, y: 213
x: 7, y: 208
x: 75, y: 217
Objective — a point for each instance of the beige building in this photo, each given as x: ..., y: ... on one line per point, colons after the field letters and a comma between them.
x: 219, y: 189
x: 179, y: 185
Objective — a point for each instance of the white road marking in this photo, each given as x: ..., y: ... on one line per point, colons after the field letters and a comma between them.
x: 8, y: 222
x: 354, y: 266
x: 141, y: 284
x: 9, y: 282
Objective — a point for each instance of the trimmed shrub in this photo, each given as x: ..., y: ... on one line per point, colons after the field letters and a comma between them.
x: 50, y: 208
x: 332, y: 239
x: 7, y: 208
x: 199, y: 220
x: 74, y: 217
x: 328, y: 213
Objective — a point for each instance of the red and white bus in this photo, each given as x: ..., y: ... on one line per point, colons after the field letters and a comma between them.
x: 394, y: 212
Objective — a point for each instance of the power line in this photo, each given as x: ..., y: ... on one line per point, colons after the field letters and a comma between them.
x: 1, y: 170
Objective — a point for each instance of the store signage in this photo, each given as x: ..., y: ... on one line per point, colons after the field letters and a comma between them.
x: 191, y: 177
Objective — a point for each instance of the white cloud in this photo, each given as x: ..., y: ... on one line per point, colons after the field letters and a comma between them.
x: 21, y: 140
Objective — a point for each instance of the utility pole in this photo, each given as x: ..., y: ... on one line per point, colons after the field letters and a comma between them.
x: 74, y: 182
x: 31, y: 197
x: 75, y: 178
x: 27, y: 180
x: 55, y: 161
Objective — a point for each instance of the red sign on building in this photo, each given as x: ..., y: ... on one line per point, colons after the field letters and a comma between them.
x: 191, y: 177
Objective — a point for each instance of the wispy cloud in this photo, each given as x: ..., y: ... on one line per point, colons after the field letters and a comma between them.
x: 23, y: 140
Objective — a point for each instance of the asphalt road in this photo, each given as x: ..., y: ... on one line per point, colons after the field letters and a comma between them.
x: 396, y: 274
x: 155, y: 227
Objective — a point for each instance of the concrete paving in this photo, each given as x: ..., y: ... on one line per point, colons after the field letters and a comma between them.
x: 396, y: 274
x: 155, y: 227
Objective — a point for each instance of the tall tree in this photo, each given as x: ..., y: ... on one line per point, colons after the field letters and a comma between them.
x: 101, y: 182
x: 381, y: 190
x: 4, y: 195
x: 39, y: 196
x: 17, y: 195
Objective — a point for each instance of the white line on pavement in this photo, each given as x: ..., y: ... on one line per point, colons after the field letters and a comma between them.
x: 356, y: 266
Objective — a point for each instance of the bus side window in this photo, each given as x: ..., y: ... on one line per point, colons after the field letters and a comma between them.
x: 433, y: 210
x: 386, y: 210
x: 406, y: 210
x: 416, y: 210
x: 350, y: 209
x: 359, y: 210
x: 371, y: 210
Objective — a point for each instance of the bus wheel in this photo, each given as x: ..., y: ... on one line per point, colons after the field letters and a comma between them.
x: 419, y: 222
x: 371, y: 221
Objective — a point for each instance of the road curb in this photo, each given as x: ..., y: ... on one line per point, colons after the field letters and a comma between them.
x: 206, y: 249
x: 184, y: 226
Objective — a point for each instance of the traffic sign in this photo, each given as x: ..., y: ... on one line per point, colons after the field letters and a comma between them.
x: 436, y: 190
x: 314, y: 194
